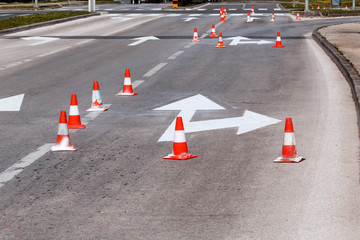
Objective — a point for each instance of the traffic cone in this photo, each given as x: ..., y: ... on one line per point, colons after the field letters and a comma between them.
x: 74, y: 115
x: 289, y: 154
x: 222, y: 18
x: 221, y: 11
x: 312, y: 7
x: 273, y: 17
x: 213, y: 33
x: 346, y: 8
x: 324, y: 7
x: 63, y: 139
x: 252, y: 11
x: 318, y: 7
x: 220, y: 43
x: 96, y: 102
x: 298, y: 16
x: 195, y: 38
x: 225, y: 10
x: 248, y: 18
x: 127, y: 89
x: 278, y: 41
x: 180, y: 150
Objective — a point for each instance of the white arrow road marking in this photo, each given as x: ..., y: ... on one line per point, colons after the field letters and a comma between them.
x: 11, y: 104
x: 42, y: 40
x: 142, y: 39
x: 189, y: 19
x: 248, y: 122
x: 244, y: 40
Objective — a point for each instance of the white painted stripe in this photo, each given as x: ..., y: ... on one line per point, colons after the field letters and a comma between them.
x: 214, y: 14
x: 20, y: 165
x: 262, y: 9
x: 89, y: 117
x: 156, y: 9
x: 289, y: 139
x: 190, y: 45
x: 232, y: 9
x: 279, y: 14
x: 53, y: 52
x: 137, y: 83
x: 175, y: 55
x: 13, y: 64
x: 154, y: 70
x: 216, y: 9
x: 202, y: 9
x: 134, y: 15
x: 277, y: 9
x: 247, y: 9
x: 86, y: 41
x: 173, y: 15
x: 195, y: 15
x: 153, y: 15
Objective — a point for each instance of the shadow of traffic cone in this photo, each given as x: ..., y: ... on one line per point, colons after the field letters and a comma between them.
x: 298, y: 16
x: 196, y: 37
x: 96, y: 101
x: 180, y: 150
x: 213, y: 33
x: 289, y: 154
x: 220, y: 42
x: 273, y: 17
x: 278, y: 41
x: 63, y: 139
x: 74, y: 115
x: 127, y: 89
x: 248, y: 18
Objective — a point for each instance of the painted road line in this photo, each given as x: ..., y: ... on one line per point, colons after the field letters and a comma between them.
x: 156, y: 9
x: 42, y: 40
x: 277, y: 9
x: 216, y: 9
x: 20, y: 165
x: 201, y: 9
x: 236, y: 14
x: 214, y: 14
x: 195, y: 15
x: 142, y: 39
x: 89, y: 117
x: 86, y: 41
x: 190, y: 45
x: 175, y: 55
x: 173, y: 15
x: 154, y: 15
x: 262, y: 9
x: 232, y: 9
x: 53, y: 52
x: 137, y: 83
x: 189, y: 19
x: 134, y: 15
x: 155, y: 69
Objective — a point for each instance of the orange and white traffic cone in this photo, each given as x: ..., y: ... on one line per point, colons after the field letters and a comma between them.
x: 248, y: 18
x: 252, y: 11
x: 96, y: 101
x: 312, y: 7
x: 225, y: 10
x: 318, y: 7
x: 273, y: 17
x: 74, y: 115
x: 127, y: 89
x: 213, y: 33
x: 222, y: 18
x: 220, y: 43
x: 346, y: 8
x: 180, y: 150
x: 324, y: 7
x: 298, y: 16
x: 63, y: 139
x: 196, y: 37
x: 221, y: 11
x: 289, y: 154
x: 278, y: 41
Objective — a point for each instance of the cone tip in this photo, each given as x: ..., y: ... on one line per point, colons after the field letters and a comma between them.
x: 96, y: 85
x: 73, y: 101
x: 179, y: 124
x: 127, y: 73
x: 63, y: 117
x: 289, y: 125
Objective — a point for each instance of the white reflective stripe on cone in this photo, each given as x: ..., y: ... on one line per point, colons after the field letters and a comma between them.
x: 127, y: 81
x: 289, y: 139
x: 179, y: 137
x: 278, y: 39
x: 63, y: 129
x: 96, y: 96
x: 74, y: 111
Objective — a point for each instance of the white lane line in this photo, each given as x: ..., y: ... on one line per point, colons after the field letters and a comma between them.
x: 137, y: 83
x: 20, y: 165
x: 154, y: 70
x: 232, y: 9
x: 237, y: 14
x: 262, y: 9
x: 195, y: 15
x: 53, y: 52
x: 153, y: 14
x: 214, y: 14
x: 173, y: 15
x: 156, y: 9
x: 190, y: 45
x: 216, y: 9
x: 175, y: 55
x: 201, y: 9
x: 134, y: 15
x: 86, y: 41
x: 89, y: 117
x: 277, y: 9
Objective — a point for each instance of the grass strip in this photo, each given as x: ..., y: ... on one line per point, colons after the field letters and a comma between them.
x: 37, y: 18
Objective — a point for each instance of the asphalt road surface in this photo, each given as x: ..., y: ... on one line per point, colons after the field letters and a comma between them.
x: 117, y: 186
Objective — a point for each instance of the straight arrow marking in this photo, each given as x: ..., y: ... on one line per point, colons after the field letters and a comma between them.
x: 11, y: 104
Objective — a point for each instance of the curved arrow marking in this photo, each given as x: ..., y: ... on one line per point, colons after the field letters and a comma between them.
x: 248, y: 122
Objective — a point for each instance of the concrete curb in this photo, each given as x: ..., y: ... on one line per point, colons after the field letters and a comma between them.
x: 43, y: 24
x: 345, y: 67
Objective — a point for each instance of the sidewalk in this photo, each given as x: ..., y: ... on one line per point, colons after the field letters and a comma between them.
x: 341, y: 43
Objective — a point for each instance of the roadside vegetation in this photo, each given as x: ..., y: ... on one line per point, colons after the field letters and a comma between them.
x: 37, y: 18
